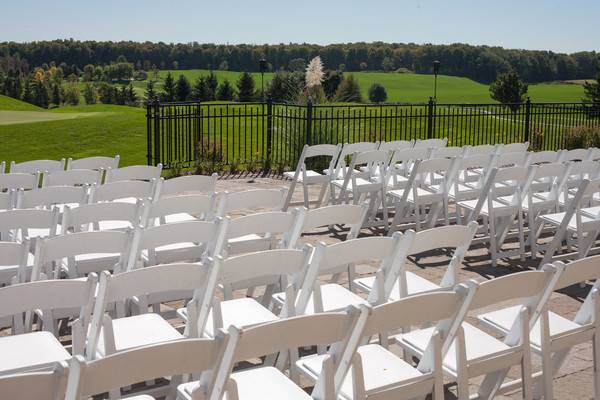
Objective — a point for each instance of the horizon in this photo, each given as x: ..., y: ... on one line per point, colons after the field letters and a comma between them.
x: 550, y: 25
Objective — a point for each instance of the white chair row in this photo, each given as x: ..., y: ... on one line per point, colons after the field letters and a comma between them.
x: 41, y: 166
x: 359, y: 363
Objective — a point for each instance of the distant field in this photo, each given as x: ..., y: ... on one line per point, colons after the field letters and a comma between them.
x: 411, y: 88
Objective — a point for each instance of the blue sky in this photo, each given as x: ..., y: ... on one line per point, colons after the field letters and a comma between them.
x: 558, y: 25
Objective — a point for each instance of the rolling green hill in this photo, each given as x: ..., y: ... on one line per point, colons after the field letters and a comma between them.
x: 10, y: 104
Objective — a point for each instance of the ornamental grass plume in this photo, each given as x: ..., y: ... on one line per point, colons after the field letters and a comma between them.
x: 314, y: 73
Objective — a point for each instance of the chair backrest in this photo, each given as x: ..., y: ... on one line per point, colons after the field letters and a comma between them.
x: 50, y: 196
x: 396, y: 145
x: 582, y: 170
x: 403, y: 160
x: 58, y: 248
x: 577, y: 155
x: 72, y: 177
x: 543, y: 157
x: 97, y: 163
x: 513, y: 148
x: 40, y: 385
x: 550, y: 177
x: 440, y: 171
x: 485, y: 162
x: 88, y: 216
x: 13, y: 254
x: 47, y: 295
x: 519, y: 177
x: 318, y: 150
x: 482, y: 149
x: 37, y: 166
x: 201, y: 206
x: 448, y: 152
x: 87, y: 378
x: 350, y: 148
x: 284, y: 223
x: 123, y: 190
x: 134, y: 173
x: 15, y: 224
x: 431, y: 143
x: 18, y: 180
x: 188, y: 184
x: 7, y: 199
x: 206, y: 237
x: 512, y: 159
x: 263, y: 199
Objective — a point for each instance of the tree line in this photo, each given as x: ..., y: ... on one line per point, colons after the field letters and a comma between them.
x: 480, y: 63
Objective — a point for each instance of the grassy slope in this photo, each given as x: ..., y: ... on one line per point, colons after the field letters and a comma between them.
x: 10, y: 104
x: 415, y: 87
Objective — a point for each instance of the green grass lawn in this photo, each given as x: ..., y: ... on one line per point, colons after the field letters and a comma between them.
x: 411, y: 88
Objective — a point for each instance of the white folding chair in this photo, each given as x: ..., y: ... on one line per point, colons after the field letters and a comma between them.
x: 7, y: 199
x: 513, y: 148
x: 553, y: 335
x: 189, y: 241
x: 482, y: 149
x: 340, y: 169
x: 171, y: 359
x: 401, y: 283
x: 53, y: 197
x: 579, y: 171
x: 580, y: 219
x: 14, y: 259
x: 95, y: 162
x: 395, y: 145
x: 22, y: 224
x: 79, y: 254
x: 430, y: 143
x: 402, y: 164
x: 19, y: 180
x: 350, y: 216
x: 499, y: 204
x: 339, y: 330
x: 37, y: 166
x: 448, y: 152
x: 308, y: 177
x: 109, y: 335
x: 72, y: 177
x: 545, y: 157
x: 101, y: 217
x: 188, y: 185
x: 40, y: 385
x: 474, y: 352
x: 179, y: 208
x: 255, y: 199
x: 27, y: 350
x: 577, y: 155
x: 376, y: 372
x: 123, y: 191
x: 133, y: 173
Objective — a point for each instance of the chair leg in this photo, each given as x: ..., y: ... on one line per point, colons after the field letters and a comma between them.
x: 547, y: 374
x: 290, y: 193
x: 322, y: 194
x: 492, y: 235
x: 596, y: 348
x: 521, y: 235
x: 526, y: 375
x: 305, y: 193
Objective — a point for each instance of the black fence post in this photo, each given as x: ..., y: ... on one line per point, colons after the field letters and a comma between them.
x: 430, y: 115
x: 269, y: 131
x: 527, y: 119
x: 157, y: 132
x: 149, y: 131
x: 309, y: 118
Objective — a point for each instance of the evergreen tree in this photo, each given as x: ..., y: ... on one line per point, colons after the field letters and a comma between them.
x: 132, y: 97
x: 349, y: 91
x: 89, y: 94
x: 200, y: 91
x: 56, y: 94
x: 150, y: 93
x: 509, y: 88
x: 183, y: 89
x: 168, y: 93
x: 27, y: 93
x: 225, y: 91
x: 107, y: 93
x: 212, y: 84
x: 285, y: 86
x: 592, y: 90
x: 39, y: 94
x: 245, y: 86
x: 331, y: 82
x: 377, y: 93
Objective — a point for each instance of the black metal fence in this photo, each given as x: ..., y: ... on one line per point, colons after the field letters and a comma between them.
x: 268, y: 135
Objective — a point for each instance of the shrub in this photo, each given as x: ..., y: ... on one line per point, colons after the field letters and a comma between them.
x: 285, y: 86
x: 245, y: 86
x: 377, y: 93
x: 536, y: 140
x: 581, y: 137
x: 89, y: 94
x: 331, y: 82
x: 509, y: 88
x: 71, y: 94
x: 349, y: 91
x: 225, y: 91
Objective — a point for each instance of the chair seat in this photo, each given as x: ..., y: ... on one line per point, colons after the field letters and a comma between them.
x: 414, y: 283
x: 381, y: 368
x: 361, y: 184
x: 557, y: 218
x: 502, y: 320
x: 335, y: 298
x: 500, y: 209
x: 311, y: 177
x: 465, y: 192
x: 139, y: 330
x: 478, y: 344
x: 114, y: 225
x: 243, y: 312
x: 30, y: 351
x: 8, y: 271
x: 262, y: 383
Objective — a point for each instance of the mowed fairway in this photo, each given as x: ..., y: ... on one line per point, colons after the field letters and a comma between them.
x: 413, y: 88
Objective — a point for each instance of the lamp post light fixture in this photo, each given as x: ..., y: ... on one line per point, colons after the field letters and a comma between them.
x: 436, y: 71
x: 262, y: 66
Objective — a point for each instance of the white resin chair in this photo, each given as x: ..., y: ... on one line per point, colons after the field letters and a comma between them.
x: 21, y: 224
x: 53, y: 196
x: 577, y: 155
x: 341, y: 166
x: 553, y: 335
x: 14, y: 260
x: 579, y: 171
x: 133, y: 173
x: 376, y: 372
x: 27, y: 350
x: 402, y: 164
x: 72, y: 177
x: 123, y: 191
x: 339, y: 330
x: 308, y: 177
x: 474, y: 352
x: 79, y: 254
x: 396, y: 145
x: 188, y: 185
x: 252, y: 200
x: 19, y: 180
x: 37, y: 166
x: 430, y: 143
x: 179, y: 208
x: 101, y: 217
x: 95, y: 162
x: 170, y: 359
x: 499, y: 207
x: 40, y: 385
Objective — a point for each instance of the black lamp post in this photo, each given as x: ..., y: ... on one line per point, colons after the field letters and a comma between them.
x: 436, y: 71
x: 262, y: 64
